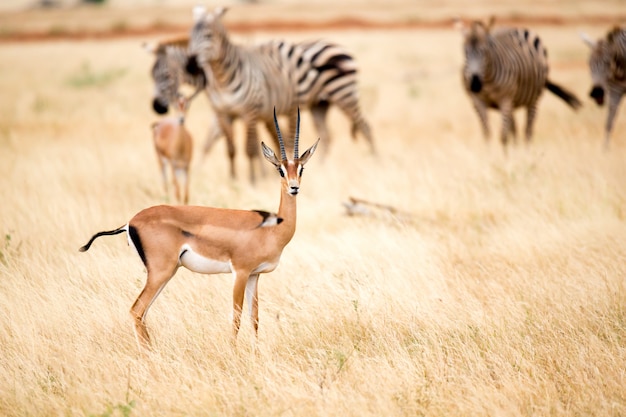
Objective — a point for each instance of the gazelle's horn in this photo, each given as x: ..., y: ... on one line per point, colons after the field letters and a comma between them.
x: 280, y: 138
x: 297, y: 137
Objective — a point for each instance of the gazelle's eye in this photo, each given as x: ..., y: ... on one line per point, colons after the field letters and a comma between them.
x: 281, y: 171
x: 300, y: 170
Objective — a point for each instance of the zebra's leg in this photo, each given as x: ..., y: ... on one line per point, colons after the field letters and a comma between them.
x: 215, y: 132
x: 531, y: 112
x: 319, y: 111
x: 615, y: 97
x: 481, y: 110
x: 226, y: 125
x: 350, y: 106
x: 269, y: 125
x: 506, y: 107
x: 252, y: 143
x: 513, y: 130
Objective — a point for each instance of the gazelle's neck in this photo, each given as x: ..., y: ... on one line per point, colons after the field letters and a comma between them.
x: 287, y: 212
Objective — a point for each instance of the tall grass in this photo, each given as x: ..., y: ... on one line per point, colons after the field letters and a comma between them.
x: 499, y: 290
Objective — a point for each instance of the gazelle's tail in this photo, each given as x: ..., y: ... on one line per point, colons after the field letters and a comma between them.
x: 108, y: 233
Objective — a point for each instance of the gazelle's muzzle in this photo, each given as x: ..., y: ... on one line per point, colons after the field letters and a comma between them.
x: 293, y: 187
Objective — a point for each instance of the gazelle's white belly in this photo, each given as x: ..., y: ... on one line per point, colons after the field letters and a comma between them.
x: 201, y: 264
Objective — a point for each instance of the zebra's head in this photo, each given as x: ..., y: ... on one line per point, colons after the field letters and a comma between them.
x: 206, y: 39
x: 476, y: 47
x: 599, y: 66
x: 166, y: 73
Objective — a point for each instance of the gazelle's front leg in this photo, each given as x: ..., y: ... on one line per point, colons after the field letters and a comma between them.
x: 252, y: 294
x: 239, y: 289
x: 163, y: 169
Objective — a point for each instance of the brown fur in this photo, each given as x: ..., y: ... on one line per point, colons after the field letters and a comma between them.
x: 173, y: 145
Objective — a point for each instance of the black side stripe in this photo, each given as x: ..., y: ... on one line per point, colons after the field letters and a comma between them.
x: 134, y: 236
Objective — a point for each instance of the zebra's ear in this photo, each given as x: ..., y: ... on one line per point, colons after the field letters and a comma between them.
x: 587, y: 39
x: 460, y: 25
x: 220, y: 11
x: 151, y: 47
x: 198, y: 13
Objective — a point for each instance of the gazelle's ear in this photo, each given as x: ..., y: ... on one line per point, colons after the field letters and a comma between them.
x: 587, y: 39
x: 270, y: 155
x: 308, y: 153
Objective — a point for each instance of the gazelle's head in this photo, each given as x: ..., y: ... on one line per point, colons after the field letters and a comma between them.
x: 289, y: 170
x: 206, y: 39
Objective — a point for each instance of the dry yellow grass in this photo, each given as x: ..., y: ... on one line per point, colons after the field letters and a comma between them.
x: 499, y: 291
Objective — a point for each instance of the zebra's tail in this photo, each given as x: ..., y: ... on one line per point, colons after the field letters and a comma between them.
x: 97, y: 235
x: 567, y: 96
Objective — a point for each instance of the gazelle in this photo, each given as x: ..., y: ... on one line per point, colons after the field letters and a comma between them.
x: 174, y: 145
x: 215, y: 240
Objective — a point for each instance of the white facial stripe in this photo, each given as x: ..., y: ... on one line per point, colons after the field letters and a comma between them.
x: 201, y: 264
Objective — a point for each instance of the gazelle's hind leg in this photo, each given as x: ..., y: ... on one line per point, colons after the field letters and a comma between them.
x: 155, y: 283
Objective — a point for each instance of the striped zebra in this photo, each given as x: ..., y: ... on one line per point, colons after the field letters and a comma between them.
x: 249, y: 81
x: 505, y: 69
x: 607, y: 63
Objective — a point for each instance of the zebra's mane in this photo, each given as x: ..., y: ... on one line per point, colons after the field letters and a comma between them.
x: 181, y: 41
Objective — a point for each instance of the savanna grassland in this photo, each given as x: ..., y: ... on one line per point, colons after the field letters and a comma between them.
x: 496, y: 288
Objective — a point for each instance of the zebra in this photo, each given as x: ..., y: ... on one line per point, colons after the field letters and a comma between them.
x: 505, y: 69
x: 249, y: 81
x: 607, y: 64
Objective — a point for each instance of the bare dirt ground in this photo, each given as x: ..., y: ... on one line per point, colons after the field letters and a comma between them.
x: 121, y: 20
